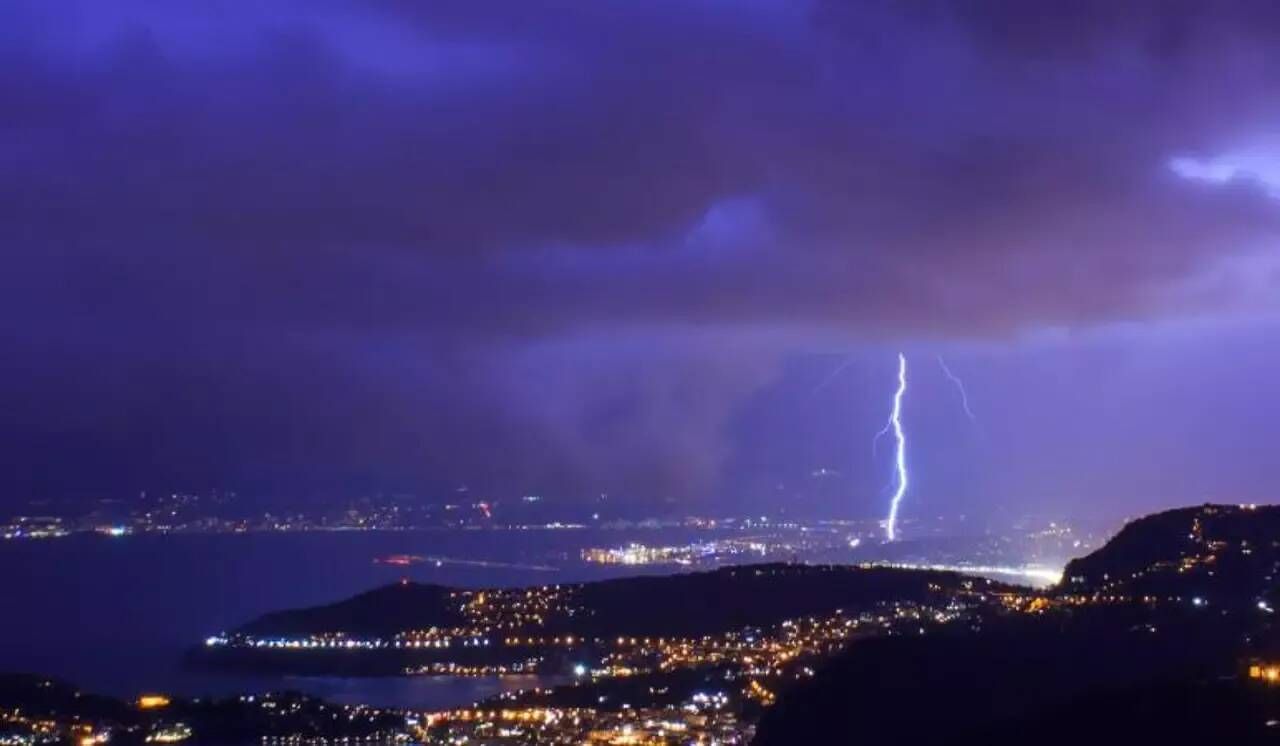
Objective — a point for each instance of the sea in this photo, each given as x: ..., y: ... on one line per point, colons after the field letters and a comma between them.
x: 115, y: 615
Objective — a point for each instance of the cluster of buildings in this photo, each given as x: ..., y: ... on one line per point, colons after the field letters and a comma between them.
x: 20, y: 729
x: 221, y: 512
x: 766, y: 652
x: 753, y: 664
x: 702, y: 720
x: 635, y: 553
x: 72, y: 719
x: 34, y: 527
x: 705, y: 718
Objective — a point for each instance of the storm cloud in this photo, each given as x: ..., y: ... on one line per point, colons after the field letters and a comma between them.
x: 558, y: 245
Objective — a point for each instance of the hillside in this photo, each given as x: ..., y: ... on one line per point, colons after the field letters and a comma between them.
x: 1220, y: 554
x: 379, y: 612
x: 40, y: 710
x: 408, y: 626
x: 682, y: 604
x: 1147, y: 638
x: 1059, y: 680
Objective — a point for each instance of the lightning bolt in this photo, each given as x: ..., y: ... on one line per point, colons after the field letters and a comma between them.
x: 831, y: 376
x: 900, y: 454
x: 875, y: 441
x: 964, y: 396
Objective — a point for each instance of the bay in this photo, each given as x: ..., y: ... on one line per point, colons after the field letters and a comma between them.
x: 115, y: 615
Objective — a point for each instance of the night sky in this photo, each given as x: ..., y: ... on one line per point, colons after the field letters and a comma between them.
x: 567, y: 248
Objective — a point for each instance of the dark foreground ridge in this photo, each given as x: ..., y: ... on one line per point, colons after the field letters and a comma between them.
x: 1164, y: 635
x: 1223, y: 554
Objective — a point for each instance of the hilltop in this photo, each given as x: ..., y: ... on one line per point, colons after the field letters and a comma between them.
x: 406, y: 625
x: 683, y: 604
x: 1146, y: 639
x: 1220, y: 554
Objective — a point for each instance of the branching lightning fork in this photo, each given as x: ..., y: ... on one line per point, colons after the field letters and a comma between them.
x: 964, y: 395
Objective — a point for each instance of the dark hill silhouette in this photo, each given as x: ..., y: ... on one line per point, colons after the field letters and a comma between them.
x: 1143, y: 642
x: 1026, y: 681
x: 750, y: 596
x: 685, y: 604
x: 379, y: 612
x: 1226, y: 555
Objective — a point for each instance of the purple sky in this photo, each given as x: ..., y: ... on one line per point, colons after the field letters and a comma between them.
x: 613, y: 246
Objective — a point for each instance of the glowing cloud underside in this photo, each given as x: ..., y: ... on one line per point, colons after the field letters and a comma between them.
x: 1247, y: 167
x: 900, y: 453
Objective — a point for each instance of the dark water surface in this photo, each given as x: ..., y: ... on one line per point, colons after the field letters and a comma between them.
x: 114, y: 615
